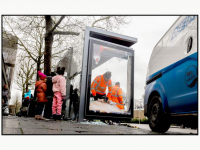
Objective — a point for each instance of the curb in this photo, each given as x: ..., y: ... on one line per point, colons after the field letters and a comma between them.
x: 132, y: 126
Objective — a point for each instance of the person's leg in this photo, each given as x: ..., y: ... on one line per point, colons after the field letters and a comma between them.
x: 40, y: 107
x: 76, y: 116
x: 59, y: 105
x: 50, y: 107
x: 5, y: 103
x: 54, y: 104
x: 36, y: 115
x: 98, y: 96
x: 37, y: 108
x: 73, y: 117
x: 40, y: 110
x: 37, y: 112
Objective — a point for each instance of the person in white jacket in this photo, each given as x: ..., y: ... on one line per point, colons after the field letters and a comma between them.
x: 59, y: 90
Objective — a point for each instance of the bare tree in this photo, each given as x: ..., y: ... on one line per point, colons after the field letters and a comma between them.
x: 47, y: 38
x: 17, y: 103
x: 25, y: 74
x: 30, y: 33
x: 75, y: 26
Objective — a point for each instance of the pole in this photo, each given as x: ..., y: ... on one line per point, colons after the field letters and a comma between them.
x: 139, y: 115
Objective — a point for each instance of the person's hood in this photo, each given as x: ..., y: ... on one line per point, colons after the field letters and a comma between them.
x: 55, y: 78
x: 27, y: 94
x: 38, y: 83
x: 107, y: 75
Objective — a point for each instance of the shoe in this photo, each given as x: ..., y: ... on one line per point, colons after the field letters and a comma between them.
x: 41, y: 118
x: 59, y: 117
x: 54, y: 117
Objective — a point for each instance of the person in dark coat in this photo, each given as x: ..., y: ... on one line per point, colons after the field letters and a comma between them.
x: 26, y: 99
x: 49, y: 95
x: 75, y: 101
x: 31, y: 112
x: 70, y: 96
x: 5, y: 95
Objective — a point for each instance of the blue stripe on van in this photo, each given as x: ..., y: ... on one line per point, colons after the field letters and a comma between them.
x: 174, y: 65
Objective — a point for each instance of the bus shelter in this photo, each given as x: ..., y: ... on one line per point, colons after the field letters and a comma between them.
x: 107, y: 52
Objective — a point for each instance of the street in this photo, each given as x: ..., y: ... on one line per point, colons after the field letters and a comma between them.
x: 173, y: 129
x: 25, y: 125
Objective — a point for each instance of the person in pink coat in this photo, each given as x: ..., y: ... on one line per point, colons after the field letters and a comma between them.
x: 59, y: 90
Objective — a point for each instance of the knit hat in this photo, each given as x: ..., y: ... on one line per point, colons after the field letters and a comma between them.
x: 41, y: 75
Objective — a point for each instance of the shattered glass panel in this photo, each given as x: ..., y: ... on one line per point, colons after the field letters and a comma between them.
x: 110, y: 80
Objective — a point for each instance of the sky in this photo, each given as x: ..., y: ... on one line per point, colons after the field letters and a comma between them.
x: 148, y: 30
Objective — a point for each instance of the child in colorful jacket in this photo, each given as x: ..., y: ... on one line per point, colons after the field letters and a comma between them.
x: 28, y: 94
x: 59, y: 90
x: 41, y: 89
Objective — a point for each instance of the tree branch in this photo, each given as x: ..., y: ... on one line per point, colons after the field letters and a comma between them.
x: 59, y: 21
x: 100, y: 20
x: 100, y: 27
x: 66, y: 33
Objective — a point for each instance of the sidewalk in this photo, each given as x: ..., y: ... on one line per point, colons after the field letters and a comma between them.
x: 22, y: 125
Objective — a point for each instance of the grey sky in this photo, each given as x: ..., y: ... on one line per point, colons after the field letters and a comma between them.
x: 148, y: 30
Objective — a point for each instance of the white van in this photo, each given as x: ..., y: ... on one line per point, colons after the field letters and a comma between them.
x: 171, y: 83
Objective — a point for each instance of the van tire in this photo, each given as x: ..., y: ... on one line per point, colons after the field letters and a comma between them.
x: 158, y: 120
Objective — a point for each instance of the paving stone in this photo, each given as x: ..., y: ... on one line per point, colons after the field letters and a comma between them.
x: 11, y: 131
x: 23, y: 125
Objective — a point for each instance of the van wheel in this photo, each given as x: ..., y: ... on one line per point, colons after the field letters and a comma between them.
x: 158, y: 121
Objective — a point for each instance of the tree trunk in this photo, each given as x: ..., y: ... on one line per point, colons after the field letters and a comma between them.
x: 23, y: 92
x: 26, y: 84
x: 37, y: 79
x: 48, y: 46
x: 38, y: 69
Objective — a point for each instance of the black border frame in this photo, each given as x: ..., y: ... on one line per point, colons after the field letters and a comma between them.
x: 132, y: 15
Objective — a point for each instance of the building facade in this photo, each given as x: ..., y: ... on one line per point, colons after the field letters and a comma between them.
x: 9, y: 53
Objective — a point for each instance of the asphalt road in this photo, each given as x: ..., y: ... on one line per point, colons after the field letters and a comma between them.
x: 13, y: 125
x: 174, y: 129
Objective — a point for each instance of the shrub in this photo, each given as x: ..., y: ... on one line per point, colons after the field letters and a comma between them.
x: 143, y: 121
x: 135, y: 121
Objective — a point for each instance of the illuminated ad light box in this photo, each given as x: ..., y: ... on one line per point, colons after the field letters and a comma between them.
x: 107, y: 81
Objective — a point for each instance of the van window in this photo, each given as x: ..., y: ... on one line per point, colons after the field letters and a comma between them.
x: 189, y: 46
